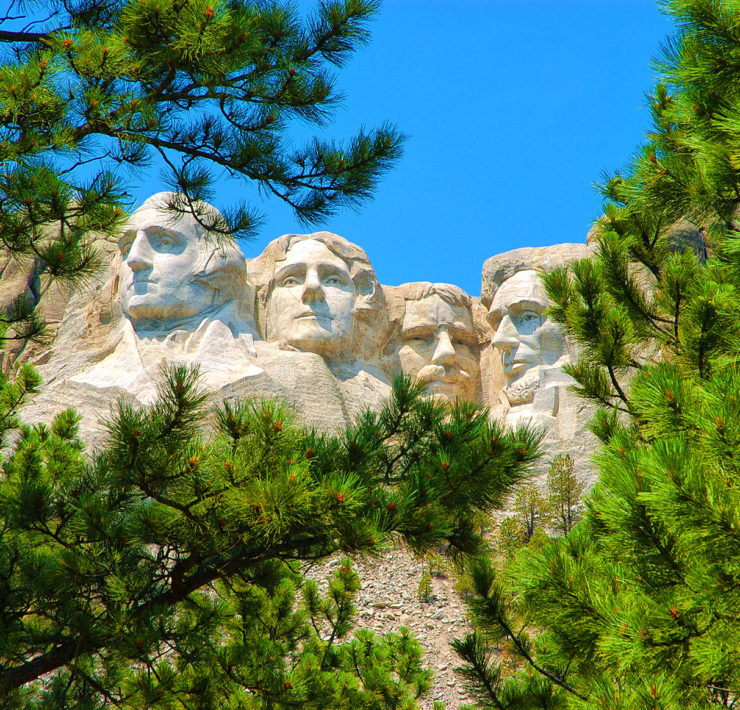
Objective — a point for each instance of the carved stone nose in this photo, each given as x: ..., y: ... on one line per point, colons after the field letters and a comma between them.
x: 139, y: 256
x: 444, y: 353
x: 505, y: 337
x: 312, y: 287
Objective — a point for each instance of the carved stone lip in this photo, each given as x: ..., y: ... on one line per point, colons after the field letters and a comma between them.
x: 318, y: 316
x: 512, y: 364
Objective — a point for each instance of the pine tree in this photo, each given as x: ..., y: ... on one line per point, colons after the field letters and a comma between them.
x: 529, y: 512
x: 638, y: 606
x: 93, y: 92
x: 166, y: 571
x: 564, y: 493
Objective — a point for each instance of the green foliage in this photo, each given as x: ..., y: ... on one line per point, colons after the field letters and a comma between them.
x: 509, y: 538
x: 164, y: 571
x: 437, y: 565
x: 638, y: 605
x: 535, y: 514
x: 94, y: 92
x: 564, y: 493
x: 14, y: 392
x: 424, y: 591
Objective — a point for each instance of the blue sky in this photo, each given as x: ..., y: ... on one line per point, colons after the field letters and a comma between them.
x: 513, y: 109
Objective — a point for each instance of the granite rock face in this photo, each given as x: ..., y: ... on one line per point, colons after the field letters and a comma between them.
x: 307, y: 322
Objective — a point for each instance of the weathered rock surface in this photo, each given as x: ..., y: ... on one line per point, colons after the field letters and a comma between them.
x: 389, y: 599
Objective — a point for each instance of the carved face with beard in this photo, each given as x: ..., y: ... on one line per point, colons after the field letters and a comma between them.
x: 526, y: 339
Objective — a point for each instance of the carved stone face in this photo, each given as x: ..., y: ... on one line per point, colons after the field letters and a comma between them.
x: 312, y: 300
x: 160, y: 251
x: 438, y: 340
x: 524, y: 337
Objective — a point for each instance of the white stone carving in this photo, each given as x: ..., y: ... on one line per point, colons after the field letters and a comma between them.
x: 322, y: 314
x: 183, y: 297
x: 529, y: 344
x: 307, y: 322
x: 435, y: 340
x: 319, y: 293
x: 174, y: 272
x: 529, y: 385
x: 174, y: 293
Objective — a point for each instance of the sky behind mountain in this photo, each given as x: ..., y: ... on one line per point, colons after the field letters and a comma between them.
x: 513, y: 109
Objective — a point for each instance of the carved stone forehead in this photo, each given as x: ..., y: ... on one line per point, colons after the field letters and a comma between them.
x: 154, y: 216
x: 499, y: 269
x: 263, y: 268
x: 311, y: 251
x: 524, y: 287
x: 167, y: 209
x: 433, y: 312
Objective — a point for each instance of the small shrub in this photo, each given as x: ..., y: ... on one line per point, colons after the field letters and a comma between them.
x: 425, y: 587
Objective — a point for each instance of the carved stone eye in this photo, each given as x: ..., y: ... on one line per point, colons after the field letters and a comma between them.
x: 290, y: 281
x: 333, y: 281
x: 161, y: 240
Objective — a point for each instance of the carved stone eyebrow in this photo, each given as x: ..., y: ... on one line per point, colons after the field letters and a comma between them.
x: 294, y: 269
x: 329, y: 269
x: 417, y: 331
x: 161, y: 229
x: 527, y: 304
x: 521, y: 304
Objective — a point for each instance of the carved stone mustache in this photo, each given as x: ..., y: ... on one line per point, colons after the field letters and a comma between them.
x: 431, y: 373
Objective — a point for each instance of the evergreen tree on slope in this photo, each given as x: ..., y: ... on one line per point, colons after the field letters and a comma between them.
x: 165, y: 572
x: 639, y: 605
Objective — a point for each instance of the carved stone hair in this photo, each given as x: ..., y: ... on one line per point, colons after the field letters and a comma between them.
x: 449, y: 293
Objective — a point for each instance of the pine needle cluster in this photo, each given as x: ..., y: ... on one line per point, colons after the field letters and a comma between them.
x: 95, y: 92
x: 167, y: 570
x: 638, y: 605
